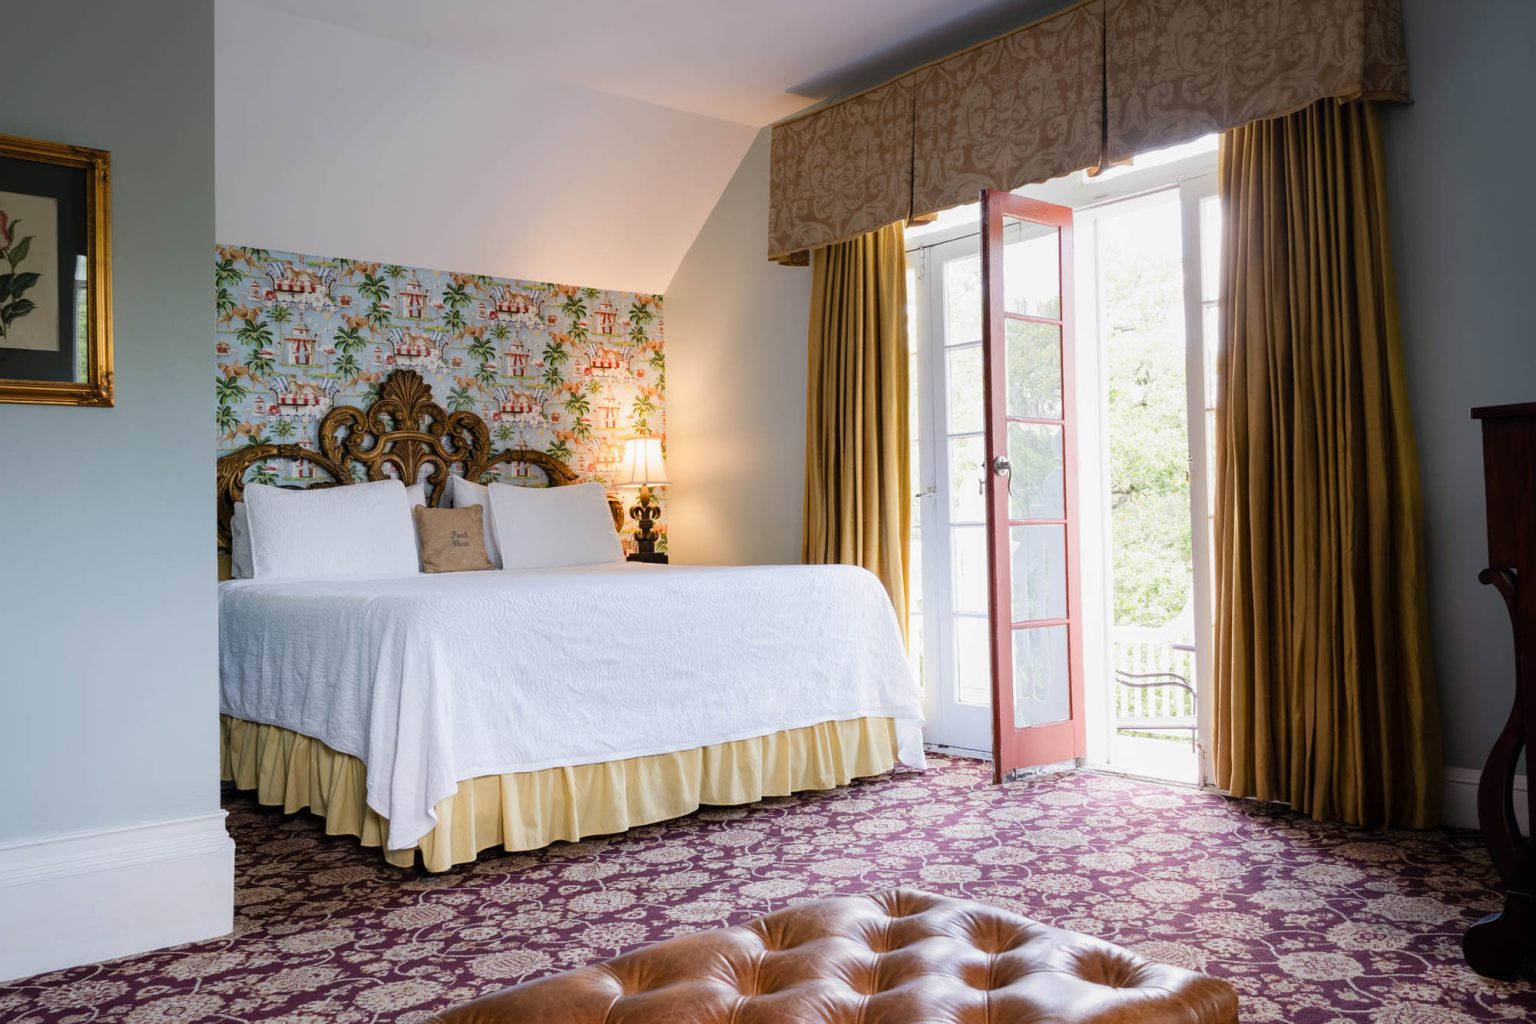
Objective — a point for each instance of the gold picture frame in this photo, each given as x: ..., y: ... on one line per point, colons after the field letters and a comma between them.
x: 48, y: 361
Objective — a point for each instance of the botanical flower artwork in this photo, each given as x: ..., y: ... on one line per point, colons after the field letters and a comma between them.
x: 569, y: 371
x: 28, y: 272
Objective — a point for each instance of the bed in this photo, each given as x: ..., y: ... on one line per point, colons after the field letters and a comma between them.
x: 440, y: 715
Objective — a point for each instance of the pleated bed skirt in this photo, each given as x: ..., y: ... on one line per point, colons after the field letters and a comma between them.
x: 529, y: 810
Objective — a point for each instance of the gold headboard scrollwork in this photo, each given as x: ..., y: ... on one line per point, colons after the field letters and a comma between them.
x: 402, y: 435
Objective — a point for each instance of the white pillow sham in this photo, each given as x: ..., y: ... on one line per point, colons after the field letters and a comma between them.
x: 350, y: 532
x: 464, y: 493
x: 553, y: 527
x: 240, y: 534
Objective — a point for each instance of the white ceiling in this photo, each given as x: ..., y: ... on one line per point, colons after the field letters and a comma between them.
x: 748, y: 61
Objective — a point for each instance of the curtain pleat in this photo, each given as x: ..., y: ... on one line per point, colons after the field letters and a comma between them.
x: 1325, y: 695
x: 858, y: 488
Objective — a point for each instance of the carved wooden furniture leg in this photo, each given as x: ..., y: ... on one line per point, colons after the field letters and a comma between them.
x: 1500, y: 945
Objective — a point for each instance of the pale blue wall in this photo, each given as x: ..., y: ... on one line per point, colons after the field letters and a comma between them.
x: 108, y: 678
x: 1459, y: 163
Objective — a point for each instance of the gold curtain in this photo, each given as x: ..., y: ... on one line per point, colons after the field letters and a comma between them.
x: 858, y: 488
x: 1325, y: 696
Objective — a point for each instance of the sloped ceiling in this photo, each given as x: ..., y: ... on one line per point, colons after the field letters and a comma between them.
x: 583, y: 141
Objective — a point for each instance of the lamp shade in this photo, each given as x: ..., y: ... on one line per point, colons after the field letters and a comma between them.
x: 642, y: 466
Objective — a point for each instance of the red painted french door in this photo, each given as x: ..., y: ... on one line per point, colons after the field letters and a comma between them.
x: 1032, y: 542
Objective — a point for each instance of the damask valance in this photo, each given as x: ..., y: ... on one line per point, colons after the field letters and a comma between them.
x: 1179, y: 69
x: 1018, y: 109
x: 843, y: 172
x: 1094, y: 83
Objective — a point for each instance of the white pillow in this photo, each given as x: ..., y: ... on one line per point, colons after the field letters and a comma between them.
x: 551, y: 527
x: 464, y: 493
x: 348, y: 532
x: 240, y: 533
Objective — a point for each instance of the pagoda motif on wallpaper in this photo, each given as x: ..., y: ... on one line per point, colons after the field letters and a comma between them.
x: 567, y: 370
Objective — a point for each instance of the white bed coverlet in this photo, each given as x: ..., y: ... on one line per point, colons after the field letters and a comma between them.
x: 432, y: 679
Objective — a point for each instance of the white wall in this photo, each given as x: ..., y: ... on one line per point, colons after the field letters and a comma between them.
x: 1464, y: 234
x: 338, y: 143
x: 107, y: 616
x: 736, y: 366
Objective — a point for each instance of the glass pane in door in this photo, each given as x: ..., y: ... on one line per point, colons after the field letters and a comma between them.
x: 1041, y: 685
x: 968, y: 550
x: 1038, y: 484
x: 962, y: 300
x: 967, y: 503
x: 965, y: 398
x: 1032, y: 272
x: 973, y: 668
x: 1034, y: 369
x: 1039, y: 572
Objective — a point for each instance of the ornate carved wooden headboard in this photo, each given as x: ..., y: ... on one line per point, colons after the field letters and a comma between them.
x: 403, y: 435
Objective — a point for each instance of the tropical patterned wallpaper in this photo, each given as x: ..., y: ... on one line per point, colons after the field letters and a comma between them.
x: 570, y: 371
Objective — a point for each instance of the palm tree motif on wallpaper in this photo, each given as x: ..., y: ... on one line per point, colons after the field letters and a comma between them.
x: 482, y: 346
x: 640, y: 318
x: 226, y: 278
x: 230, y: 391
x: 643, y: 407
x: 578, y: 403
x: 375, y: 289
x: 256, y: 335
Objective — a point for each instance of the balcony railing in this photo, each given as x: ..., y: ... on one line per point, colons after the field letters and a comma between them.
x: 1153, y: 682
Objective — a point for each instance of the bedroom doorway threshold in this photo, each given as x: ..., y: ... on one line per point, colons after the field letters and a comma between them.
x: 967, y: 752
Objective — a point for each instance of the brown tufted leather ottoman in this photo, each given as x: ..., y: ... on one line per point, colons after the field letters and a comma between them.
x: 895, y: 957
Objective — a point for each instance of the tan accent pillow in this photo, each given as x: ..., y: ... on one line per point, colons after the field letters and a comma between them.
x: 451, y: 539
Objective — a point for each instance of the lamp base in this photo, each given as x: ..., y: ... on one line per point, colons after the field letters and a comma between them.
x: 646, y: 511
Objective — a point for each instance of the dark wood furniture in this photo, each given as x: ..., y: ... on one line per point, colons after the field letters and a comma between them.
x: 1501, y: 944
x: 654, y: 557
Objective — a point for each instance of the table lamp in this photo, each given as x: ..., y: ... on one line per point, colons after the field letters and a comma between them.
x: 643, y: 468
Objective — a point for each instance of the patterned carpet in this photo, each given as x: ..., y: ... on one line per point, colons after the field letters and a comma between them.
x: 1314, y: 925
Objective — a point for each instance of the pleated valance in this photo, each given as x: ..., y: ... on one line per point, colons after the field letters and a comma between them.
x: 1096, y: 82
x: 1178, y: 69
x: 842, y: 173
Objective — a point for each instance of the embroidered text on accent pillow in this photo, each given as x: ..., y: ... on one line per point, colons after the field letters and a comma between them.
x: 451, y: 539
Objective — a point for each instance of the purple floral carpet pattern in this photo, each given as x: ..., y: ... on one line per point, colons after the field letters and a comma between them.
x: 1312, y: 924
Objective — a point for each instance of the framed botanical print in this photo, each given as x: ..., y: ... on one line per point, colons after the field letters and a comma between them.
x: 55, y: 273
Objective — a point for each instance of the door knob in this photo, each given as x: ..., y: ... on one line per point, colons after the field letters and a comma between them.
x: 1002, y: 467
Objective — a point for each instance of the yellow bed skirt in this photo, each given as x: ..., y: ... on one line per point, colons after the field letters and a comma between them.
x: 529, y: 810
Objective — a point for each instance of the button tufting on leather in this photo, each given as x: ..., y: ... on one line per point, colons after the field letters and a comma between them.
x: 967, y: 972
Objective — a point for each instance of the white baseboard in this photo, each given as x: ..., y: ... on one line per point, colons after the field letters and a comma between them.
x: 1458, y: 807
x: 90, y: 896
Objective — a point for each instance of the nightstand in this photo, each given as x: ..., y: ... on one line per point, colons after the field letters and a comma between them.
x: 654, y: 557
